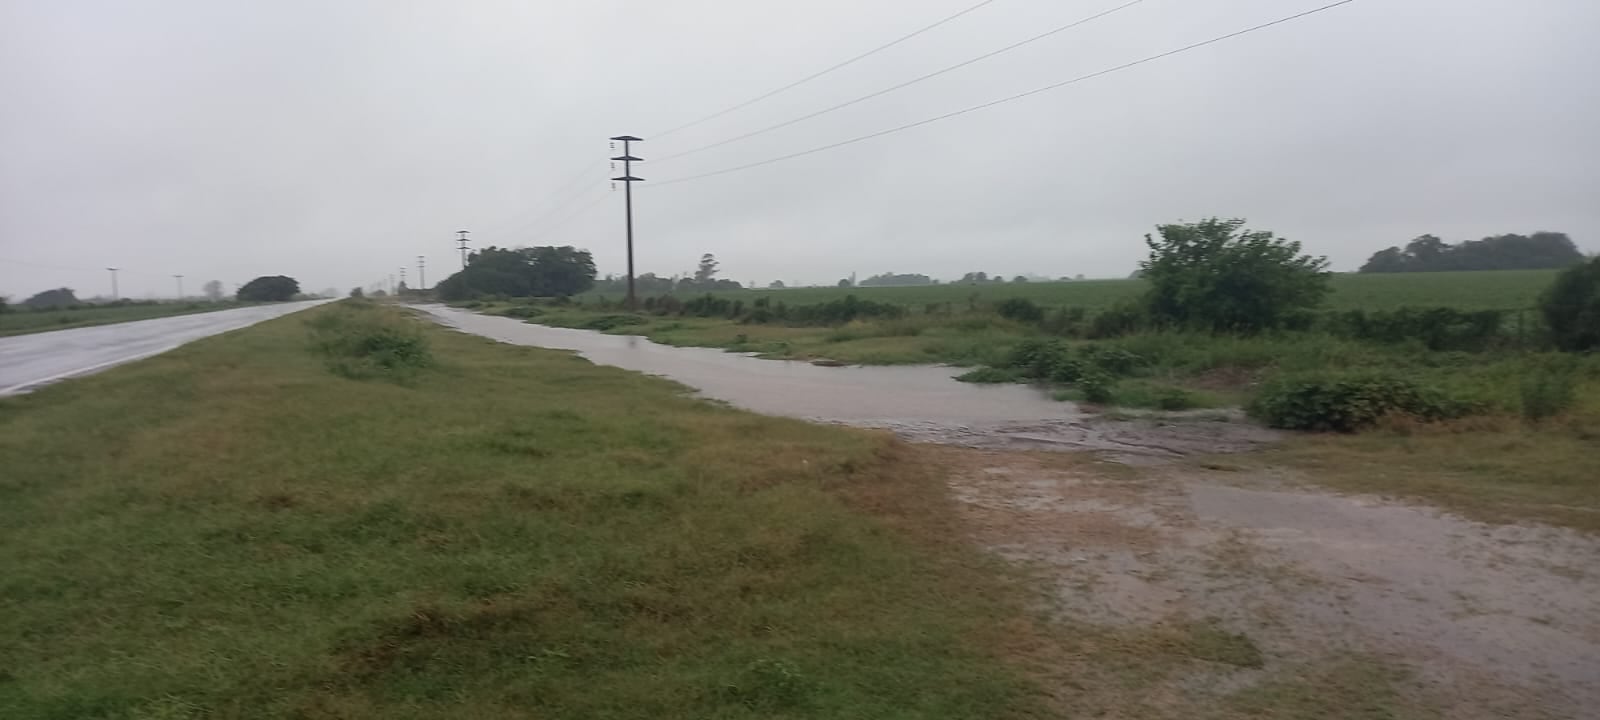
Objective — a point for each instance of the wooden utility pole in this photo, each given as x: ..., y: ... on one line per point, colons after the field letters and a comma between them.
x: 628, y: 180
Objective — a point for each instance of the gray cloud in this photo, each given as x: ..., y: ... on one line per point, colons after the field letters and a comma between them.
x: 336, y: 141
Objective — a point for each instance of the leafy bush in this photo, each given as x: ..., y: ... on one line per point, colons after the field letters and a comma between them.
x: 522, y: 311
x: 990, y: 375
x: 1097, y: 387
x: 1548, y: 391
x: 1121, y: 319
x: 1439, y: 328
x: 1571, y: 308
x: 1021, y: 310
x: 361, y: 342
x: 1214, y: 275
x: 609, y: 322
x: 1347, y: 403
x: 1173, y: 398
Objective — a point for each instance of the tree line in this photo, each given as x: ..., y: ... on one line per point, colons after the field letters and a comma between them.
x: 1539, y: 251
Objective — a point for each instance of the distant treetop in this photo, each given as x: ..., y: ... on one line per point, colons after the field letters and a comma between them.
x: 1428, y: 253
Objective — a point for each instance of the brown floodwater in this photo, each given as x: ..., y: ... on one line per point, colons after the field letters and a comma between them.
x: 872, y: 396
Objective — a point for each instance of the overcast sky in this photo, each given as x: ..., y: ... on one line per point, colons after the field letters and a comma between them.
x: 336, y: 140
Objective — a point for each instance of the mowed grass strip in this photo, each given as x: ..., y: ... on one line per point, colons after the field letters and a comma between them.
x: 231, y: 530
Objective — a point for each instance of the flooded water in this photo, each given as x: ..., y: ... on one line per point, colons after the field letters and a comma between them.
x: 870, y: 396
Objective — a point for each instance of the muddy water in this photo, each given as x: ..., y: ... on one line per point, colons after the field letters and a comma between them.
x: 880, y: 396
x: 920, y: 403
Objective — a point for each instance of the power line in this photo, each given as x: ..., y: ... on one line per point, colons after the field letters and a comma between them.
x: 569, y: 218
x: 559, y: 200
x: 909, y: 83
x: 1004, y: 100
x: 816, y: 75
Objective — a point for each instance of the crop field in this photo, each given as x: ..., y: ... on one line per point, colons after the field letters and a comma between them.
x: 1491, y: 290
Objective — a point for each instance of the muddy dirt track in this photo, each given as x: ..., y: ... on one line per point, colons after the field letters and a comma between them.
x: 1124, y: 530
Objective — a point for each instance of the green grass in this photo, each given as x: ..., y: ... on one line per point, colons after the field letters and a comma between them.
x: 1484, y: 290
x: 231, y: 530
x: 20, y: 322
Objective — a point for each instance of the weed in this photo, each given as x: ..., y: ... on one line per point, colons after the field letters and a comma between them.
x: 361, y: 343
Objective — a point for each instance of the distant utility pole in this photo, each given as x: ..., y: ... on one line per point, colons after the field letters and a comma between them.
x: 463, y: 240
x: 402, y: 276
x: 113, y: 282
x: 628, y: 180
x: 391, y: 284
x: 179, y: 278
x: 422, y: 276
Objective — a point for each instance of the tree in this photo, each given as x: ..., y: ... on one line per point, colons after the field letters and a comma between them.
x: 356, y: 292
x: 1019, y: 279
x: 1571, y: 307
x: 524, y: 272
x: 707, y: 269
x: 975, y: 277
x: 844, y: 282
x: 212, y: 290
x: 776, y: 285
x: 896, y: 280
x: 1217, y: 276
x: 269, y: 288
x: 49, y: 299
x: 1541, y: 250
x: 5, y: 304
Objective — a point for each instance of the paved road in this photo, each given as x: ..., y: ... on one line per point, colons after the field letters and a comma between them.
x: 29, y: 361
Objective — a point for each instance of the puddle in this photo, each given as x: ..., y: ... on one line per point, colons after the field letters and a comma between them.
x: 921, y: 403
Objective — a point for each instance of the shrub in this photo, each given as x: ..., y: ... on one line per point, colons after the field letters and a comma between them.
x: 1215, y: 275
x: 1547, y: 392
x: 1173, y: 398
x: 1439, y: 328
x: 361, y: 343
x: 1097, y: 387
x: 990, y: 375
x: 1571, y: 308
x: 1346, y: 403
x: 522, y: 311
x: 610, y: 322
x: 1021, y: 310
x: 1121, y: 319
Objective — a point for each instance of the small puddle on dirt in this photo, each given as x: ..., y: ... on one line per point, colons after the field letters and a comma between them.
x: 921, y: 403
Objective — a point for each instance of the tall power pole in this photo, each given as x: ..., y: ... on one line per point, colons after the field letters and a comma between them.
x: 114, y: 295
x: 179, y: 278
x: 422, y: 276
x: 402, y: 276
x: 463, y: 240
x: 628, y: 180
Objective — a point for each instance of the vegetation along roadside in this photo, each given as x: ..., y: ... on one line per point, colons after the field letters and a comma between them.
x: 352, y: 514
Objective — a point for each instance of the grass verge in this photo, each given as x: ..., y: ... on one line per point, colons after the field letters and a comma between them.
x: 22, y: 322
x: 232, y: 530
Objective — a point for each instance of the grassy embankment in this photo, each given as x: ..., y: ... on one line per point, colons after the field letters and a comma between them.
x: 240, y: 529
x: 21, y: 322
x: 351, y: 525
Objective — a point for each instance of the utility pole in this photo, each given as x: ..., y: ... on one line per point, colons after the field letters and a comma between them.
x: 179, y: 278
x: 113, y: 283
x: 463, y: 240
x: 402, y: 277
x: 422, y: 276
x: 628, y: 180
x: 391, y: 284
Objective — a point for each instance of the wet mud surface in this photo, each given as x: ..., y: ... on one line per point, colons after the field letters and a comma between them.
x: 1492, y: 621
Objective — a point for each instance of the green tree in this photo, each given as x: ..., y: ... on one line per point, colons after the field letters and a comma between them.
x: 57, y: 298
x: 1571, y: 307
x: 269, y: 288
x: 1218, y: 276
x: 776, y: 285
x: 356, y: 292
x: 707, y: 269
x: 523, y: 272
x: 213, y: 290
